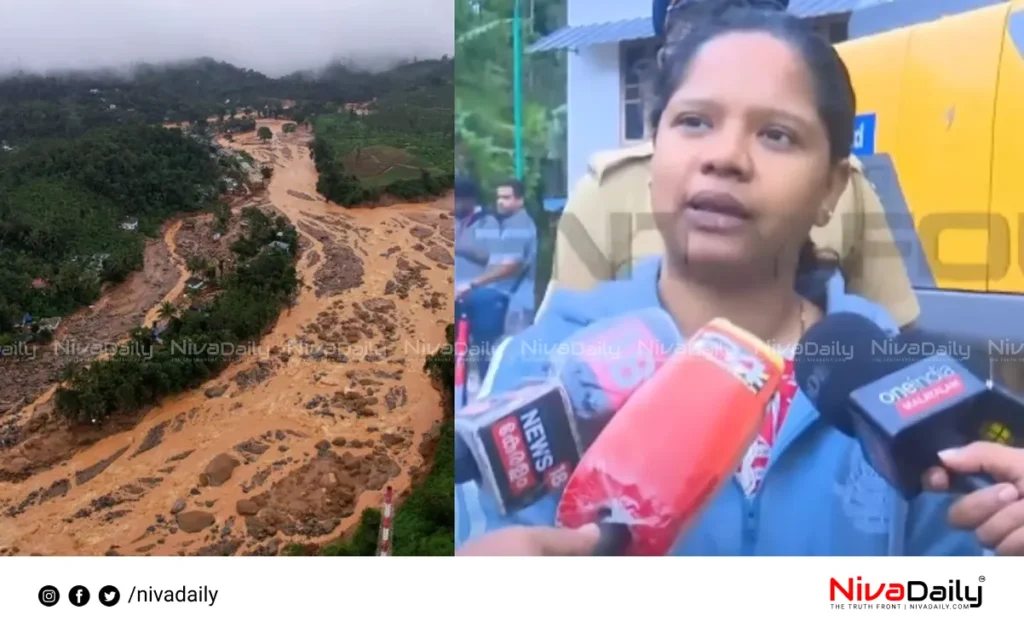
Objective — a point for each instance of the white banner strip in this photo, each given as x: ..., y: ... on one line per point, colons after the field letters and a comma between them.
x: 495, y: 595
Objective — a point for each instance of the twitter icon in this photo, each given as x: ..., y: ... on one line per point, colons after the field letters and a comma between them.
x: 109, y: 596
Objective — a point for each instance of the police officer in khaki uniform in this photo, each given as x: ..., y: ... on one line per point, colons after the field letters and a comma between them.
x: 607, y: 224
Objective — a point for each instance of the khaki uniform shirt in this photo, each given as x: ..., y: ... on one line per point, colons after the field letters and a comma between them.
x: 607, y: 225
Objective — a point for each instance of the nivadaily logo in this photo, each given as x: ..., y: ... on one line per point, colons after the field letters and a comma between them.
x: 856, y: 593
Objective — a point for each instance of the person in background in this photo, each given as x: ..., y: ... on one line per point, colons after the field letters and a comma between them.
x: 500, y: 292
x: 611, y: 204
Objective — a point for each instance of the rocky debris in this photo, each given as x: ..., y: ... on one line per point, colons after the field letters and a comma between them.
x: 313, y: 258
x: 249, y: 378
x: 153, y: 438
x: 218, y: 471
x: 435, y: 301
x: 407, y: 276
x: 226, y: 547
x: 268, y: 548
x: 89, y: 473
x: 355, y: 402
x: 259, y: 477
x: 216, y: 392
x: 10, y: 433
x: 194, y: 521
x: 440, y: 255
x: 311, y: 500
x: 421, y: 232
x: 39, y: 496
x: 391, y: 251
x: 178, y: 506
x: 127, y: 493
x: 396, y: 397
x: 180, y: 456
x: 397, y: 440
x: 251, y: 449
x: 342, y: 270
x: 316, y: 402
x: 300, y: 195
x: 389, y: 375
x: 179, y: 422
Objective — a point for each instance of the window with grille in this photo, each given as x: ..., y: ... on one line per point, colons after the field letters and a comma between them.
x: 636, y: 62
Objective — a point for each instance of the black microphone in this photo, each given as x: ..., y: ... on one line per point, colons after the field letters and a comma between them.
x: 903, y: 408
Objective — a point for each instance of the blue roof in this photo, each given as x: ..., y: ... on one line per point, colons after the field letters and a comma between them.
x: 641, y: 28
x: 593, y: 34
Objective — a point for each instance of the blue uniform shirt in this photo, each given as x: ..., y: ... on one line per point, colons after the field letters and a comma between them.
x: 819, y: 496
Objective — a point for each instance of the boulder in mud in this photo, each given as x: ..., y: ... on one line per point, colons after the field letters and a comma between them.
x: 246, y: 507
x: 216, y: 392
x: 219, y: 470
x: 194, y: 521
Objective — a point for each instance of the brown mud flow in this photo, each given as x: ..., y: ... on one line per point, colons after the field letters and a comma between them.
x: 292, y: 441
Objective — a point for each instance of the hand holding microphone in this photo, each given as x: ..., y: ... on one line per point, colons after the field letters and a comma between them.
x: 996, y: 513
x: 535, y: 541
x: 918, y: 419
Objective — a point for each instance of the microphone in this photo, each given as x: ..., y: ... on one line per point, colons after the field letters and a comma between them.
x: 902, y: 408
x: 525, y: 443
x: 674, y: 442
x: 461, y: 349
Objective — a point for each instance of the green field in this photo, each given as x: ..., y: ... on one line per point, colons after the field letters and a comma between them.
x: 378, y: 165
x: 393, y: 146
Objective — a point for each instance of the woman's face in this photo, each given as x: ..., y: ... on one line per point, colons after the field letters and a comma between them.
x: 741, y: 168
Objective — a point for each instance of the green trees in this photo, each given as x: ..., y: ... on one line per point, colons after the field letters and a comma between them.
x: 403, y: 148
x: 265, y: 134
x: 194, y: 345
x: 35, y: 107
x: 62, y: 204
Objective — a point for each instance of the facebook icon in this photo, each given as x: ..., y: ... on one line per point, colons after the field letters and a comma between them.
x: 864, y: 126
x: 79, y: 596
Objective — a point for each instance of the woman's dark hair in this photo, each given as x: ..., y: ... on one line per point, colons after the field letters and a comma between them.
x: 833, y: 90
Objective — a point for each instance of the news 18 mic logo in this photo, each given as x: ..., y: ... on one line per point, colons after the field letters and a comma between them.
x: 526, y: 453
x: 860, y: 594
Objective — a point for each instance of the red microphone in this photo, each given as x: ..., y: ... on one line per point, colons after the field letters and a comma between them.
x: 461, y: 348
x: 675, y: 441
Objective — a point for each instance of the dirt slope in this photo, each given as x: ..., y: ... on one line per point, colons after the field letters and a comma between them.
x: 295, y: 438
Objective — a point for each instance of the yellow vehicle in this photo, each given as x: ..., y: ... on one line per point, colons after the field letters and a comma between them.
x: 940, y: 129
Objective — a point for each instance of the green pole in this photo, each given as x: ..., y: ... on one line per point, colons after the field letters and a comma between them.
x: 517, y: 87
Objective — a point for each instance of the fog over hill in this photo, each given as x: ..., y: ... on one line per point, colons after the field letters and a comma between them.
x: 273, y: 38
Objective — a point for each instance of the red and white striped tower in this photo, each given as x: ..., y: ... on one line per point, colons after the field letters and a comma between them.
x: 384, y: 542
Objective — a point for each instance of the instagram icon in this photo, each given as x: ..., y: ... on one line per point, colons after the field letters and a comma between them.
x: 49, y: 596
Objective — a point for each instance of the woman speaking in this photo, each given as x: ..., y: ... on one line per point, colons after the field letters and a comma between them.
x: 753, y: 125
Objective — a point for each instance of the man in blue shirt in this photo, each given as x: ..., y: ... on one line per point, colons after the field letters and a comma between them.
x: 502, y: 249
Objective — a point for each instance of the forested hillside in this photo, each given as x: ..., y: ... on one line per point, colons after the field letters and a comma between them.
x: 68, y: 105
x: 62, y: 204
x: 402, y: 148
